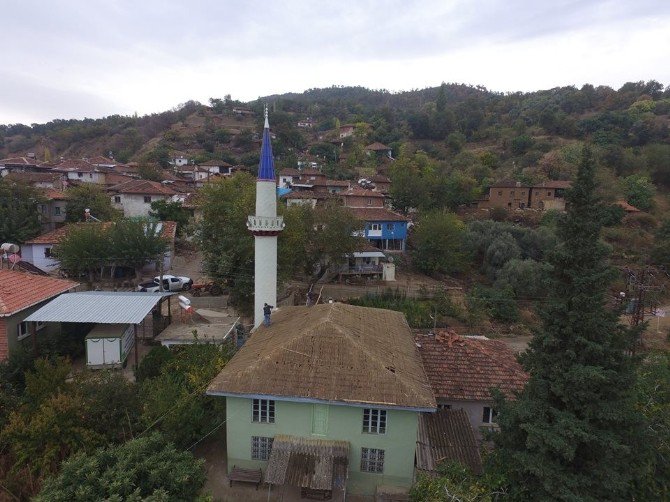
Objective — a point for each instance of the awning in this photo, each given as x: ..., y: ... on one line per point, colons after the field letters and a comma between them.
x: 446, y: 436
x: 318, y: 464
x: 369, y: 254
x: 100, y: 307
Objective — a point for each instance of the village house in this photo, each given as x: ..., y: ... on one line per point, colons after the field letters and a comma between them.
x: 361, y: 197
x: 515, y: 195
x: 346, y: 130
x: 19, y: 164
x: 378, y: 149
x: 39, y: 251
x: 463, y: 370
x: 80, y: 171
x: 219, y: 167
x: 382, y: 183
x: 38, y: 179
x: 383, y: 228
x: 343, y: 383
x: 307, y: 123
x: 53, y: 209
x: 287, y: 177
x: 20, y: 295
x: 134, y: 197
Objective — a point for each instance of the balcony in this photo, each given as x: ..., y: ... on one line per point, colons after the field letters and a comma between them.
x: 265, y: 225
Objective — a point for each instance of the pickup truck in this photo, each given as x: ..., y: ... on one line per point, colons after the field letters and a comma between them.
x: 170, y: 283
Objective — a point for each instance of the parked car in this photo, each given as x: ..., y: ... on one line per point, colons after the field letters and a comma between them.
x: 170, y: 283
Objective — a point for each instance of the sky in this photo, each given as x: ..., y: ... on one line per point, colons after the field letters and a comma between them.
x: 89, y: 58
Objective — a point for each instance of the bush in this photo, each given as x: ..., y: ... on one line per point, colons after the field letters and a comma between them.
x: 153, y: 363
x: 644, y: 221
x: 498, y: 302
x: 147, y: 468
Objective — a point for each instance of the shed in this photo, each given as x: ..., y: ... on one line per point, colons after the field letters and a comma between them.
x: 108, y: 345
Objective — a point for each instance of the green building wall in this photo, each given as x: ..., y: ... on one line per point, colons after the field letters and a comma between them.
x: 343, y: 423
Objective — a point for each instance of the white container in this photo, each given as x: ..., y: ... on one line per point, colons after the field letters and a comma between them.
x: 108, y: 345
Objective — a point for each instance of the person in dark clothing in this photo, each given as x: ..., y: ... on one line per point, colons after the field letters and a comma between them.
x: 267, y: 310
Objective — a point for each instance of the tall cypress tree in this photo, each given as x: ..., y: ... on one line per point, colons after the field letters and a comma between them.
x: 574, y: 432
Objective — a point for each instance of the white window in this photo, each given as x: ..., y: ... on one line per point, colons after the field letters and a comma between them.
x: 23, y: 331
x: 374, y: 421
x: 57, y: 211
x: 489, y: 415
x: 147, y: 199
x: 117, y: 199
x: 372, y: 460
x: 261, y: 447
x: 263, y: 411
x: 375, y: 226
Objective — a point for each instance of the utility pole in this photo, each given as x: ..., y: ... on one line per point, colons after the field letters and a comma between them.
x: 642, y: 290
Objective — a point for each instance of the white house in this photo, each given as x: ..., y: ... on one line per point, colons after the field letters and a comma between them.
x: 80, y: 170
x: 134, y: 197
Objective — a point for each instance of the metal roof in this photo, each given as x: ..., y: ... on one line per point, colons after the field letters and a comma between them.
x: 101, y: 307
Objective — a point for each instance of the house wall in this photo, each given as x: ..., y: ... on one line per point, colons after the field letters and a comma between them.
x: 363, y: 201
x: 546, y: 198
x: 134, y: 205
x: 345, y: 423
x: 475, y: 412
x: 301, y: 202
x: 86, y: 177
x: 9, y: 341
x: 34, y: 253
x: 52, y: 214
x: 507, y: 197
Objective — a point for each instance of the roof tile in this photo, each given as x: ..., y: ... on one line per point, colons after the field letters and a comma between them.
x: 20, y: 290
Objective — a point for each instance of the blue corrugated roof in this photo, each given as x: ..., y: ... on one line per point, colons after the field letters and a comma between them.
x: 266, y: 167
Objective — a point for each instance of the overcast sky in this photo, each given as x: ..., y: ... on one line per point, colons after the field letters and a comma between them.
x: 89, y: 58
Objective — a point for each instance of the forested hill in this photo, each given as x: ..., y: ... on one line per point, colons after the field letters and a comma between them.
x: 491, y: 135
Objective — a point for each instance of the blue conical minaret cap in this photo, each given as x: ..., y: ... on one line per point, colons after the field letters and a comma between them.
x: 266, y: 167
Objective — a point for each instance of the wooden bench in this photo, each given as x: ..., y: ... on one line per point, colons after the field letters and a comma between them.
x: 246, y: 476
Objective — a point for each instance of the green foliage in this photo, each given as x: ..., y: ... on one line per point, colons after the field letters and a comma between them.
x: 454, y: 482
x: 19, y: 220
x: 165, y: 210
x: 497, y: 302
x: 574, y: 432
x: 314, y: 237
x: 226, y: 244
x: 149, y: 172
x: 639, y: 191
x: 521, y: 144
x: 526, y: 278
x: 89, y: 196
x: 653, y: 399
x: 91, y: 247
x: 419, y: 312
x: 143, y: 469
x: 660, y: 253
x: 438, y: 243
x: 153, y: 363
x: 174, y: 402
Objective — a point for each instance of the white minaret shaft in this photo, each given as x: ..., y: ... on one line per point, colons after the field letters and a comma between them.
x: 265, y: 225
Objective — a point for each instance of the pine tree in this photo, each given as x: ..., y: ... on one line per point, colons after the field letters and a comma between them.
x: 574, y: 432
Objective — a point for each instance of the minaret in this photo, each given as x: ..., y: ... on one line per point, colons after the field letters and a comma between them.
x: 265, y: 226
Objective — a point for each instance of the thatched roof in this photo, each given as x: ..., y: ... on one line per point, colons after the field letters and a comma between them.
x: 331, y: 353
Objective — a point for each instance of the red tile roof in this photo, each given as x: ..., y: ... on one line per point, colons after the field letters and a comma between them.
x: 99, y: 160
x: 53, y: 194
x: 35, y: 177
x: 287, y: 171
x: 380, y: 178
x: 466, y: 368
x: 215, y: 163
x: 376, y: 214
x: 74, y: 165
x: 338, y: 183
x: 113, y: 178
x: 312, y: 172
x: 19, y: 161
x: 361, y: 192
x: 168, y: 231
x: 377, y: 147
x: 142, y: 187
x: 20, y: 290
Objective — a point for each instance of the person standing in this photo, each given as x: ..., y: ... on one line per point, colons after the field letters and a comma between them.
x: 267, y: 310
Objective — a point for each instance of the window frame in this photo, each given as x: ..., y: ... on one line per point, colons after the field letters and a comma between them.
x: 375, y: 421
x: 375, y: 226
x: 261, y: 448
x: 147, y: 199
x: 21, y: 336
x: 372, y: 460
x: 117, y: 199
x: 263, y: 411
x: 489, y: 415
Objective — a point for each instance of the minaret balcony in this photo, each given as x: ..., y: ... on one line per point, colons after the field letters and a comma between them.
x: 265, y: 225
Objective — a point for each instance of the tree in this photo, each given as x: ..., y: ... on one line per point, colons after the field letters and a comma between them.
x: 134, y: 243
x: 227, y: 246
x: 315, y: 238
x: 574, y: 432
x: 19, y: 215
x: 89, y: 196
x: 175, y: 402
x: 85, y: 249
x: 149, y: 172
x: 454, y: 482
x: 165, y: 210
x: 438, y: 243
x: 639, y: 191
x: 147, y: 468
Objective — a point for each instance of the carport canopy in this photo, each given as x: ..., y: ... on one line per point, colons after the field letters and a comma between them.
x: 100, y: 307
